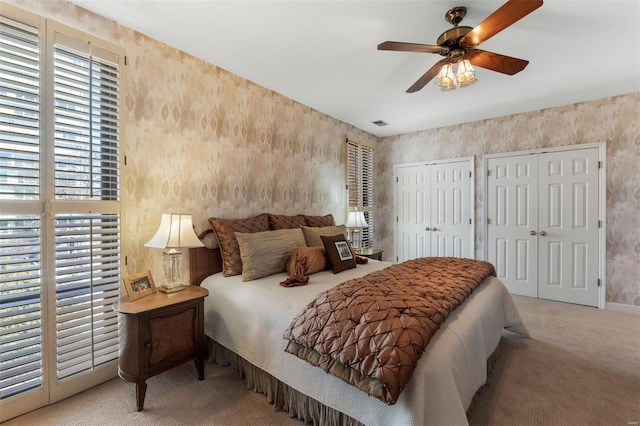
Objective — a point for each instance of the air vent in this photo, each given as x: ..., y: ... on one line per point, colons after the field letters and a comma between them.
x: 380, y: 123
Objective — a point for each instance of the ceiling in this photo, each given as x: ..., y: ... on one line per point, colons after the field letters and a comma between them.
x: 323, y: 53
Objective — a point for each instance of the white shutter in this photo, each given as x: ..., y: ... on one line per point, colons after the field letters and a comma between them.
x: 20, y: 242
x: 360, y: 185
x: 86, y: 159
x: 86, y: 116
x: 19, y: 110
x: 87, y: 262
x: 20, y: 309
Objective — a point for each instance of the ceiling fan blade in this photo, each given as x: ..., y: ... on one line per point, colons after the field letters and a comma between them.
x: 427, y: 76
x: 496, y: 62
x: 509, y: 13
x: 412, y: 47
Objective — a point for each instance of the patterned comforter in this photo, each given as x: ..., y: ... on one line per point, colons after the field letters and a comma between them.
x: 372, y: 330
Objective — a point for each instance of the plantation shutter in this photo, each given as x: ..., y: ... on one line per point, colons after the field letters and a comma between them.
x: 360, y: 185
x: 87, y: 233
x: 20, y: 242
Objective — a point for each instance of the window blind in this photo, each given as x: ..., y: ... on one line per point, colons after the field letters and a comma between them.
x: 360, y: 185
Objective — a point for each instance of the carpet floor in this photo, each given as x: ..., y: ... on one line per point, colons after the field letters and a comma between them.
x: 581, y: 367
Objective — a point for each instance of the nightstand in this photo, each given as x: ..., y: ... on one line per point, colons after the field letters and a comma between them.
x: 375, y: 254
x: 159, y: 332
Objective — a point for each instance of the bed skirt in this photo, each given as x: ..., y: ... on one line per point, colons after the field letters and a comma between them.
x: 284, y: 397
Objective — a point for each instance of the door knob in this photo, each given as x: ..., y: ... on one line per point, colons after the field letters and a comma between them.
x: 543, y: 233
x: 532, y: 232
x: 434, y: 229
x: 427, y: 229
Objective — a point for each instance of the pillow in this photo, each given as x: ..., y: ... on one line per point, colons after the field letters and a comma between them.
x: 266, y: 253
x: 339, y: 253
x: 307, y: 261
x: 277, y: 221
x: 317, y: 221
x: 225, y: 230
x: 312, y: 235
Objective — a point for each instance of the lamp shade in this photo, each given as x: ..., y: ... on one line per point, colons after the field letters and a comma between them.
x: 466, y: 74
x: 175, y: 231
x: 446, y: 78
x: 356, y: 220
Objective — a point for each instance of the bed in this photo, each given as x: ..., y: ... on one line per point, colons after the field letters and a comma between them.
x: 245, y: 321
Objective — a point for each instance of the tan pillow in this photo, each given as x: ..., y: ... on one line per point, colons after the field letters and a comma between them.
x: 339, y: 253
x: 312, y: 235
x: 317, y: 221
x: 225, y: 230
x: 267, y: 253
x: 307, y: 261
x: 278, y: 221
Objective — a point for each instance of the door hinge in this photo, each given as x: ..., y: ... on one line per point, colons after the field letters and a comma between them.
x: 599, y: 283
x: 488, y: 172
x: 396, y: 258
x: 599, y: 224
x: 488, y: 221
x: 469, y: 174
x: 397, y: 219
x: 397, y: 180
x: 126, y: 260
x: 469, y: 221
x: 599, y: 164
x: 125, y: 61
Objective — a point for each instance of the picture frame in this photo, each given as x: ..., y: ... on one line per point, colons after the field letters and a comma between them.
x: 344, y: 251
x: 139, y: 285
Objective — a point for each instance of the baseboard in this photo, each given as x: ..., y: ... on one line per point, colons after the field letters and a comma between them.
x: 619, y: 307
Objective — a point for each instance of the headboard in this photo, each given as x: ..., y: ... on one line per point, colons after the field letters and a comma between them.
x: 204, y: 261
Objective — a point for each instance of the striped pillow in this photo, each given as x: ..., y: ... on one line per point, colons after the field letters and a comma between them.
x: 266, y: 253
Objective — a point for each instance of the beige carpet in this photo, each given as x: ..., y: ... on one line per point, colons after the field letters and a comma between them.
x: 582, y: 367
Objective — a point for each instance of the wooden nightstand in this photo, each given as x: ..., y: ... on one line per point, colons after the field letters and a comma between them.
x: 159, y: 332
x: 375, y: 254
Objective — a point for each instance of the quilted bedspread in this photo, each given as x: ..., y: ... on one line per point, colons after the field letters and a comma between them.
x: 372, y: 330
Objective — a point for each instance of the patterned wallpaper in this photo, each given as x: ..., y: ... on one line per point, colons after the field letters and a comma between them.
x: 615, y: 121
x: 201, y: 140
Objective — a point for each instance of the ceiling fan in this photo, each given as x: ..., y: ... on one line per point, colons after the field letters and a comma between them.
x: 459, y: 46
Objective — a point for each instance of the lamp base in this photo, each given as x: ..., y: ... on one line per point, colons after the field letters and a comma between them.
x: 171, y: 289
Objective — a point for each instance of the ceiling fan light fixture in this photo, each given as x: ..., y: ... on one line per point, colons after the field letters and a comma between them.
x: 466, y: 75
x: 446, y: 78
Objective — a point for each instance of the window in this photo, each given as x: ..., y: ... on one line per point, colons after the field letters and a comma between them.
x: 59, y: 210
x: 360, y: 185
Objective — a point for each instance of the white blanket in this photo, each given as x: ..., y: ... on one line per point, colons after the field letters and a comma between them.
x: 250, y: 318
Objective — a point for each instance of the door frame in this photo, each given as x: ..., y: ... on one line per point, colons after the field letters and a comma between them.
x: 472, y: 195
x: 602, y: 203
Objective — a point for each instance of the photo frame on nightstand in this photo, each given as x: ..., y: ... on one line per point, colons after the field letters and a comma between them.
x: 139, y: 285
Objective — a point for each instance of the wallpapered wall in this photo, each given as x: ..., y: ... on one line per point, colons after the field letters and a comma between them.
x: 615, y: 121
x: 201, y: 140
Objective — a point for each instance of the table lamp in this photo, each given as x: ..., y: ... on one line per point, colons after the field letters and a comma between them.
x: 355, y: 222
x: 175, y: 232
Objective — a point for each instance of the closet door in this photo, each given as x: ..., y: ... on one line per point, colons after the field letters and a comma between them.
x: 450, y: 210
x: 512, y: 215
x: 434, y: 210
x: 569, y: 246
x: 413, y: 212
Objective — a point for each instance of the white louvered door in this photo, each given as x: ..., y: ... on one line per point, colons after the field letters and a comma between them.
x: 434, y: 209
x: 59, y: 211
x: 543, y: 223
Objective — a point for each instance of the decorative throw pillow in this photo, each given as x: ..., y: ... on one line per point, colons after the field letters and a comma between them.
x: 278, y: 221
x: 312, y: 235
x: 266, y: 253
x: 307, y: 261
x: 225, y: 230
x: 339, y: 253
x: 316, y: 221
